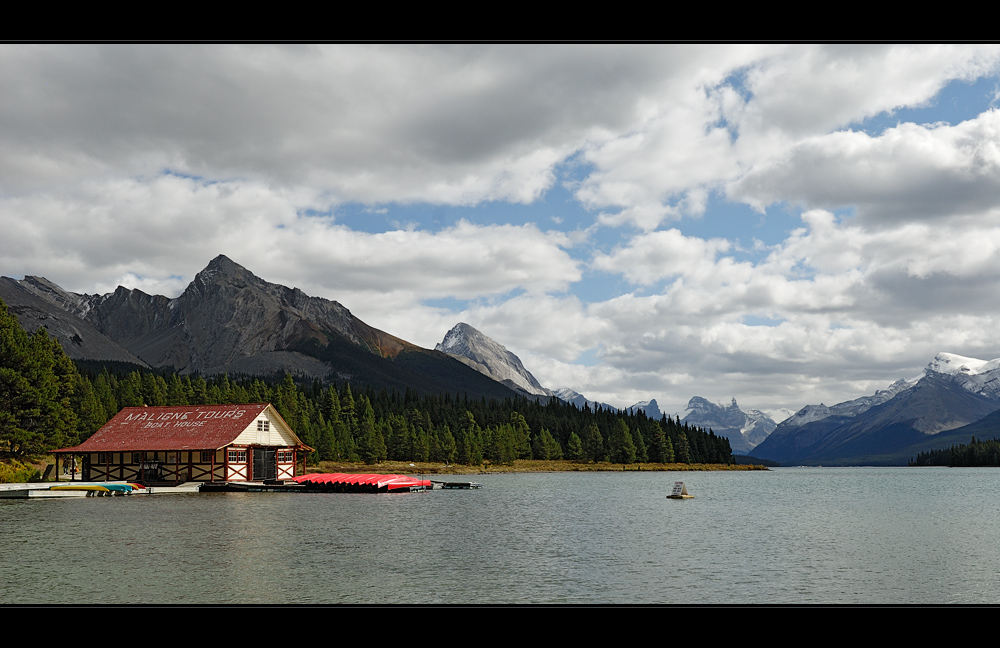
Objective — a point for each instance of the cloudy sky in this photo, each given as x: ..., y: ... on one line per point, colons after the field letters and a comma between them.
x: 781, y: 224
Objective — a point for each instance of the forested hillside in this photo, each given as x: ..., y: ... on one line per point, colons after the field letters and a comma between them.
x: 975, y: 453
x: 47, y: 402
x: 41, y: 392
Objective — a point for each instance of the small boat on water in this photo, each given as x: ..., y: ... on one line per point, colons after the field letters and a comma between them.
x: 97, y: 489
x: 680, y: 491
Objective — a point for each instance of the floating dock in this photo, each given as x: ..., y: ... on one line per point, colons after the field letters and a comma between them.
x: 450, y: 485
x: 69, y: 489
x: 313, y: 483
x: 90, y: 489
x: 326, y: 483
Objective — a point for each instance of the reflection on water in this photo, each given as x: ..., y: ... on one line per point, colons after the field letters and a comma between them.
x: 798, y: 535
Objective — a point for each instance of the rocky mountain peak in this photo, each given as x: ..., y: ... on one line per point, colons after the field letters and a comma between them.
x: 650, y: 407
x: 222, y: 263
x: 952, y: 391
x: 489, y: 357
x: 744, y: 429
x: 463, y: 337
x: 228, y: 320
x: 50, y: 292
x: 953, y: 364
x: 222, y: 272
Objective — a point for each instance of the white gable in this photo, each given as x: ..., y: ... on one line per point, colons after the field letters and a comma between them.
x: 268, y: 429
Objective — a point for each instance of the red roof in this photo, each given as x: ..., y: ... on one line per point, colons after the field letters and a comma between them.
x: 200, y: 427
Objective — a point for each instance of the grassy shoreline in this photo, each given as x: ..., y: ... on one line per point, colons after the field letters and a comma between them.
x: 519, y: 466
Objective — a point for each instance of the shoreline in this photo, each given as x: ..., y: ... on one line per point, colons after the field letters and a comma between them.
x: 519, y: 466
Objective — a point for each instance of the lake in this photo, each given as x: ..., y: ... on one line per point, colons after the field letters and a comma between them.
x: 789, y: 535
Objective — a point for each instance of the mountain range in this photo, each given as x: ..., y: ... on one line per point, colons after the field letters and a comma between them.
x: 487, y: 356
x: 228, y: 320
x: 744, y: 429
x: 895, y: 423
x: 581, y: 401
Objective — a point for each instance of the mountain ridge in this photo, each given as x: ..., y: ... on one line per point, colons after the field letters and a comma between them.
x: 952, y: 391
x: 487, y: 356
x: 744, y: 429
x: 228, y: 320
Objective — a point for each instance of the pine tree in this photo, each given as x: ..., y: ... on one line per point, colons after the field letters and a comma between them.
x: 547, y: 447
x: 682, y: 450
x: 640, y: 446
x: 37, y: 385
x: 90, y: 411
x: 593, y: 444
x: 658, y: 446
x: 621, y: 444
x: 446, y: 445
x: 574, y: 447
x: 522, y: 434
x: 371, y: 441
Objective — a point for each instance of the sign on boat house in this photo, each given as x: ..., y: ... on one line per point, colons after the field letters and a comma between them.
x: 198, y: 443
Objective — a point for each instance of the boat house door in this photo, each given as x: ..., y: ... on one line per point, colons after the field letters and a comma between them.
x: 265, y: 463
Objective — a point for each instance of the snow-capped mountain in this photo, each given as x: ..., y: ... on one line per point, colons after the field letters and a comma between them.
x: 850, y: 408
x: 744, y: 429
x: 489, y: 357
x: 978, y: 376
x: 951, y: 391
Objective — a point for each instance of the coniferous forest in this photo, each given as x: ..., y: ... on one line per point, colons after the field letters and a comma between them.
x: 47, y: 401
x: 975, y: 453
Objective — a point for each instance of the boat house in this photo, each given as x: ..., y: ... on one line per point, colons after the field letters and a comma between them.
x: 211, y: 443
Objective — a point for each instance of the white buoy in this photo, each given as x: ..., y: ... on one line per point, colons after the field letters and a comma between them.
x: 680, y: 491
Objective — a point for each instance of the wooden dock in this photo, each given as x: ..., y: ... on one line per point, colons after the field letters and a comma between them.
x: 91, y: 489
x: 453, y: 485
x: 314, y: 483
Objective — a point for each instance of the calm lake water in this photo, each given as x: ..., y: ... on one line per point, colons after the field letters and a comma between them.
x: 792, y: 535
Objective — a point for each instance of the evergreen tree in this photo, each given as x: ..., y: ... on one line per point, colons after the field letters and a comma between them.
x: 104, y: 390
x: 37, y: 384
x: 522, y: 434
x: 90, y: 412
x: 199, y: 391
x: 176, y: 394
x: 640, y: 446
x: 621, y: 444
x: 371, y: 442
x: 682, y: 450
x: 658, y: 446
x: 327, y: 447
x: 574, y: 447
x: 469, y: 442
x: 546, y: 447
x: 447, y: 448
x: 500, y: 444
x: 593, y: 444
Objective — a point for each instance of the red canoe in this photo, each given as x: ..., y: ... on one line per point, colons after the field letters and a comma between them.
x: 363, y: 482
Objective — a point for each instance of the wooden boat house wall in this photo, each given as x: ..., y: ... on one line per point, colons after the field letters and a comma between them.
x: 199, y: 443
